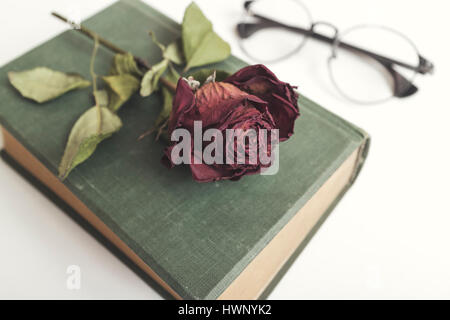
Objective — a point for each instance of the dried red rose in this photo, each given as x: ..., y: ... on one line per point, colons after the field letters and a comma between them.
x: 280, y: 96
x: 252, y: 98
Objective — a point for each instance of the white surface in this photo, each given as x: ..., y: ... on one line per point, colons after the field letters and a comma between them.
x: 388, y: 238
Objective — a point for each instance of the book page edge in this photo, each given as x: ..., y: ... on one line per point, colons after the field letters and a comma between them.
x: 259, y: 273
x: 254, y: 279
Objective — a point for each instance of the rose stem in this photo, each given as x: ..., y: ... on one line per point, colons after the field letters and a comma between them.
x: 91, y: 34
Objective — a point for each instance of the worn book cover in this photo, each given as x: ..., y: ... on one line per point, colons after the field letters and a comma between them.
x: 219, y: 240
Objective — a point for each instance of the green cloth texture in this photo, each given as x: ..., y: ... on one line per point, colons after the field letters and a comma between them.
x: 197, y: 237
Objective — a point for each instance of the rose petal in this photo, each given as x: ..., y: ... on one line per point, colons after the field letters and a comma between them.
x: 183, y: 102
x: 206, y: 173
x: 280, y: 96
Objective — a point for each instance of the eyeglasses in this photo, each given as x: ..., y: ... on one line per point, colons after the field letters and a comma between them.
x: 368, y: 63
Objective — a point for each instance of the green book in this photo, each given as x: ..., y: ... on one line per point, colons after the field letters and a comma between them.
x: 221, y: 240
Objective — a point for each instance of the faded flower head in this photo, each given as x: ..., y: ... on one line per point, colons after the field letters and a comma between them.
x: 252, y: 104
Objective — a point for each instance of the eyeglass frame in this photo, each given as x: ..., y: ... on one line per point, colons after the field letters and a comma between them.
x: 402, y: 86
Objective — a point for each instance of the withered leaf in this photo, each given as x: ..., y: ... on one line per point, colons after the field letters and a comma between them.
x: 201, y: 44
x: 173, y: 52
x: 85, y: 135
x: 150, y: 80
x: 125, y: 64
x: 42, y: 84
x: 121, y: 88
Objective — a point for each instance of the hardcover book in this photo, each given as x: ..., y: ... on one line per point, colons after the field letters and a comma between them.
x: 218, y: 240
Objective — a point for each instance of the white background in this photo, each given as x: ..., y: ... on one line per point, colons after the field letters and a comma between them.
x: 388, y: 238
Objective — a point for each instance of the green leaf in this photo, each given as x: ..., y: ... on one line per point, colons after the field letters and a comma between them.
x: 172, y: 75
x: 155, y: 41
x: 201, y: 44
x: 166, y: 109
x: 125, y: 64
x: 173, y: 52
x: 42, y: 84
x: 124, y: 85
x: 121, y: 88
x: 150, y: 80
x: 86, y: 134
x: 101, y: 98
x: 160, y: 125
x: 123, y: 81
x: 203, y: 74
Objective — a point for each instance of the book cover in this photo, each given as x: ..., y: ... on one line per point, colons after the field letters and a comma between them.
x: 198, y: 241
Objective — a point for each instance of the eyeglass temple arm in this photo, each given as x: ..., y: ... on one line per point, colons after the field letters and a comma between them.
x: 245, y: 30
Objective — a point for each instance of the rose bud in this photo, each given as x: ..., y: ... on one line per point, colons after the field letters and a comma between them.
x: 252, y: 100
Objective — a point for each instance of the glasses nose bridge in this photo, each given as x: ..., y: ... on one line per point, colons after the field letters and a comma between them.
x: 327, y: 24
x: 331, y: 40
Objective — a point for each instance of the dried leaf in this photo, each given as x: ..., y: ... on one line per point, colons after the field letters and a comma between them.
x: 124, y: 85
x: 156, y: 41
x: 172, y: 76
x: 125, y: 64
x: 201, y: 44
x: 160, y: 125
x: 121, y: 88
x: 173, y: 52
x: 42, y: 84
x: 86, y: 134
x: 167, y: 107
x: 101, y: 98
x: 150, y: 80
